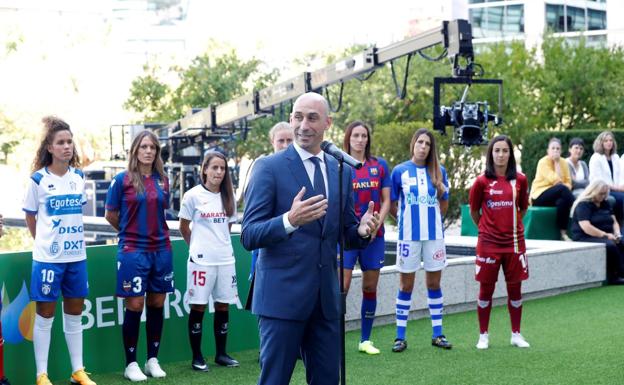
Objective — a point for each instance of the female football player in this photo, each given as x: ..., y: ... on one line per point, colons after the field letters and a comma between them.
x: 210, y: 268
x: 370, y: 183
x: 498, y: 200
x: 53, y: 207
x: 135, y: 207
x: 420, y: 187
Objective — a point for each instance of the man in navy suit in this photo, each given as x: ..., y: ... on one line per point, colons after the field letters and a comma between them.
x: 292, y: 215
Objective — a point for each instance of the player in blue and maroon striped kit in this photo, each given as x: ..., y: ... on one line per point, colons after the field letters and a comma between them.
x: 370, y: 183
x: 135, y: 206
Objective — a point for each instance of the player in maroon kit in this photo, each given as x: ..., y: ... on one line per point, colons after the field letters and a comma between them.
x: 498, y: 200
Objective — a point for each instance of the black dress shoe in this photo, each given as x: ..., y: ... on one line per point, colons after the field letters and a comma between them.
x: 4, y: 381
x: 198, y: 364
x: 225, y: 360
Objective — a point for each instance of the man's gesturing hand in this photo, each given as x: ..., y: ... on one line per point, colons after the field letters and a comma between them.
x: 369, y: 222
x: 311, y: 209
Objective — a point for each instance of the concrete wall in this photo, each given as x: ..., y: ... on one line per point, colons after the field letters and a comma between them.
x: 554, y: 267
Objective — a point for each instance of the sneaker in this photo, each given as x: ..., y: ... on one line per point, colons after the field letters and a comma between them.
x: 399, y: 345
x: 199, y: 364
x: 225, y: 360
x: 134, y: 373
x: 519, y: 341
x: 4, y: 381
x: 441, y: 342
x: 484, y: 341
x: 81, y: 377
x: 368, y: 348
x: 153, y: 369
x: 43, y: 379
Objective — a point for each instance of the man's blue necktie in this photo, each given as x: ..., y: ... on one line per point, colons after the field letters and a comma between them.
x: 319, y: 183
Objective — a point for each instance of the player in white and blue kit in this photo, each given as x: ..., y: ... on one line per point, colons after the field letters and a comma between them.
x: 53, y: 207
x: 420, y: 187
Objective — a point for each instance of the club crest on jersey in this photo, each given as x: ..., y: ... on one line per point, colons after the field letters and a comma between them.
x: 54, y: 248
x: 126, y: 286
x: 374, y: 171
x: 45, y: 289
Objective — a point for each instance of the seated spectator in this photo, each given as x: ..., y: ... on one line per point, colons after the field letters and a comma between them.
x: 552, y: 184
x: 604, y: 164
x: 593, y: 221
x: 579, y: 172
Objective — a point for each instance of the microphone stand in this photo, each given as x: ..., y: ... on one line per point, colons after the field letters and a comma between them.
x: 343, y: 295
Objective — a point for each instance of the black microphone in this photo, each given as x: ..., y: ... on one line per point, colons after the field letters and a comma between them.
x: 340, y: 155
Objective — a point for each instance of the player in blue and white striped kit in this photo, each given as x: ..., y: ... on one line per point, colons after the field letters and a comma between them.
x: 420, y: 190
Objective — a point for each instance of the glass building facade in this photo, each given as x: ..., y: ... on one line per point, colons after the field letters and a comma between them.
x: 506, y: 19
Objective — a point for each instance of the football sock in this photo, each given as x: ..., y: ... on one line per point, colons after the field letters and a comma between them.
x: 221, y: 319
x: 403, y: 302
x: 484, y: 305
x: 369, y: 305
x: 153, y: 329
x: 130, y: 332
x: 195, y: 320
x: 42, y: 331
x: 514, y: 304
x: 1, y: 353
x: 435, y: 302
x: 72, y: 327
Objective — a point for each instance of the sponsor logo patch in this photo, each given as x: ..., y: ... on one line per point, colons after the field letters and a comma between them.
x: 439, y: 255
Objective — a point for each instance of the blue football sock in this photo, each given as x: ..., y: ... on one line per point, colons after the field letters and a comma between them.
x: 369, y: 305
x: 435, y: 302
x: 402, y: 312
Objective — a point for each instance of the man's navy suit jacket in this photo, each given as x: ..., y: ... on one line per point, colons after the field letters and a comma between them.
x: 295, y: 270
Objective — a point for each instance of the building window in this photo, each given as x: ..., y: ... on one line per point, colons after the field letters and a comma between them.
x: 497, y: 21
x: 555, y: 19
x: 596, y: 20
x: 575, y: 18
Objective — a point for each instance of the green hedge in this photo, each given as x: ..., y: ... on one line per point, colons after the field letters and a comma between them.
x: 535, y: 145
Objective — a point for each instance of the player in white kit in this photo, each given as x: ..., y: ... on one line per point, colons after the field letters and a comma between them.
x: 53, y: 207
x: 211, y: 267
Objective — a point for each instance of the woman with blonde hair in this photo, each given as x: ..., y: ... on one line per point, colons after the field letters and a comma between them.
x: 604, y: 164
x: 552, y: 184
x: 593, y: 221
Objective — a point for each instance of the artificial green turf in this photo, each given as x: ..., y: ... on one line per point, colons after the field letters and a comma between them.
x: 576, y: 338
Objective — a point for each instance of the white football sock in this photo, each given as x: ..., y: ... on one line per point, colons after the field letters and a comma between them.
x: 72, y: 326
x: 41, y: 342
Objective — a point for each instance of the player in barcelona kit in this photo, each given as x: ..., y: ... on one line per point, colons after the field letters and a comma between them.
x: 370, y: 183
x: 498, y: 200
x: 420, y: 187
x: 211, y: 270
x: 135, y: 206
x: 3, y: 379
x: 53, y: 206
